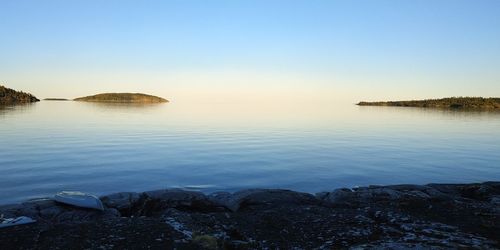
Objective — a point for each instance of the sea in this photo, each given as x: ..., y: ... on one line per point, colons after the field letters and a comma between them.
x: 100, y: 148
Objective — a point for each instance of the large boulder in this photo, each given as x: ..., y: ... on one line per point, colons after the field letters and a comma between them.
x: 180, y: 199
x: 256, y: 197
x: 154, y: 202
x: 123, y: 202
x: 338, y: 196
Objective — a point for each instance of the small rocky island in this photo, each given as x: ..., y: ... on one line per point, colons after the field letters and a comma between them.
x: 10, y: 97
x: 433, y: 216
x: 446, y: 103
x: 122, y: 98
x: 56, y: 99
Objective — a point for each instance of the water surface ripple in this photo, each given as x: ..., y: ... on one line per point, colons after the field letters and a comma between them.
x: 51, y: 146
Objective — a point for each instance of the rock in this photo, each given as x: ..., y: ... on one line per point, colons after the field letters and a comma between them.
x: 175, y: 195
x: 152, y: 202
x: 495, y: 200
x: 321, y: 195
x: 41, y: 203
x: 147, y: 203
x: 379, y: 193
x: 479, y: 192
x: 50, y: 212
x: 416, y: 194
x: 476, y: 191
x: 207, y: 242
x: 224, y: 199
x: 494, y: 184
x: 252, y: 197
x: 337, y: 196
x: 361, y: 195
x: 111, y: 213
x: 120, y: 201
x: 85, y: 215
x: 30, y: 208
x: 378, y: 217
x: 427, y: 192
x: 393, y: 193
x: 9, y: 211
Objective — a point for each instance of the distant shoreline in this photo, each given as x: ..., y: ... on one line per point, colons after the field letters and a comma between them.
x: 56, y: 99
x: 462, y: 103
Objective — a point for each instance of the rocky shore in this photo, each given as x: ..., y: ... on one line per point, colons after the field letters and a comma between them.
x: 437, y: 216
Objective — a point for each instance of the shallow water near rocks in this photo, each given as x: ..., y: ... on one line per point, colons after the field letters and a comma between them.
x: 103, y: 148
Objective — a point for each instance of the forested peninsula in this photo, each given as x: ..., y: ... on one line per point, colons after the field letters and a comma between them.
x: 448, y: 103
x: 10, y: 96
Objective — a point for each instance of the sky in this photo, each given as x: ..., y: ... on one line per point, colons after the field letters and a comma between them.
x: 269, y: 49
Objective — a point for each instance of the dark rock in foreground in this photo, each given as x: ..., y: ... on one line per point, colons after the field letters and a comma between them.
x: 434, y: 216
x: 122, y: 98
x: 447, y: 103
x: 10, y: 96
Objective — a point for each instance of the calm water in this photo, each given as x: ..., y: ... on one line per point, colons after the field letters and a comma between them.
x: 99, y: 148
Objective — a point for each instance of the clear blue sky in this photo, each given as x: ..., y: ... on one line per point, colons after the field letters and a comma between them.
x: 339, y: 49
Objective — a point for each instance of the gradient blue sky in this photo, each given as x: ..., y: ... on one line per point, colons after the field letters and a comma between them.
x: 331, y: 50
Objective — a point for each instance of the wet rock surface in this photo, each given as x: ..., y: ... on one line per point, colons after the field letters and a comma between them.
x: 437, y: 216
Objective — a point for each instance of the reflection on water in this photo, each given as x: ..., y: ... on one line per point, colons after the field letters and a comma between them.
x: 4, y: 109
x: 461, y: 113
x: 102, y: 148
x: 133, y: 107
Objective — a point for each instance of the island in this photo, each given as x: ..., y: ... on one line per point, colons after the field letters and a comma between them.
x: 10, y: 96
x: 122, y: 98
x: 446, y: 103
x: 56, y: 99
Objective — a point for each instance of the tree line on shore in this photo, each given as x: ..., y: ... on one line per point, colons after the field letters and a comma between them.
x: 451, y: 102
x: 10, y: 96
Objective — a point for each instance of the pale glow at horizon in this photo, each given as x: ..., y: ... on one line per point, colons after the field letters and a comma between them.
x: 266, y: 51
